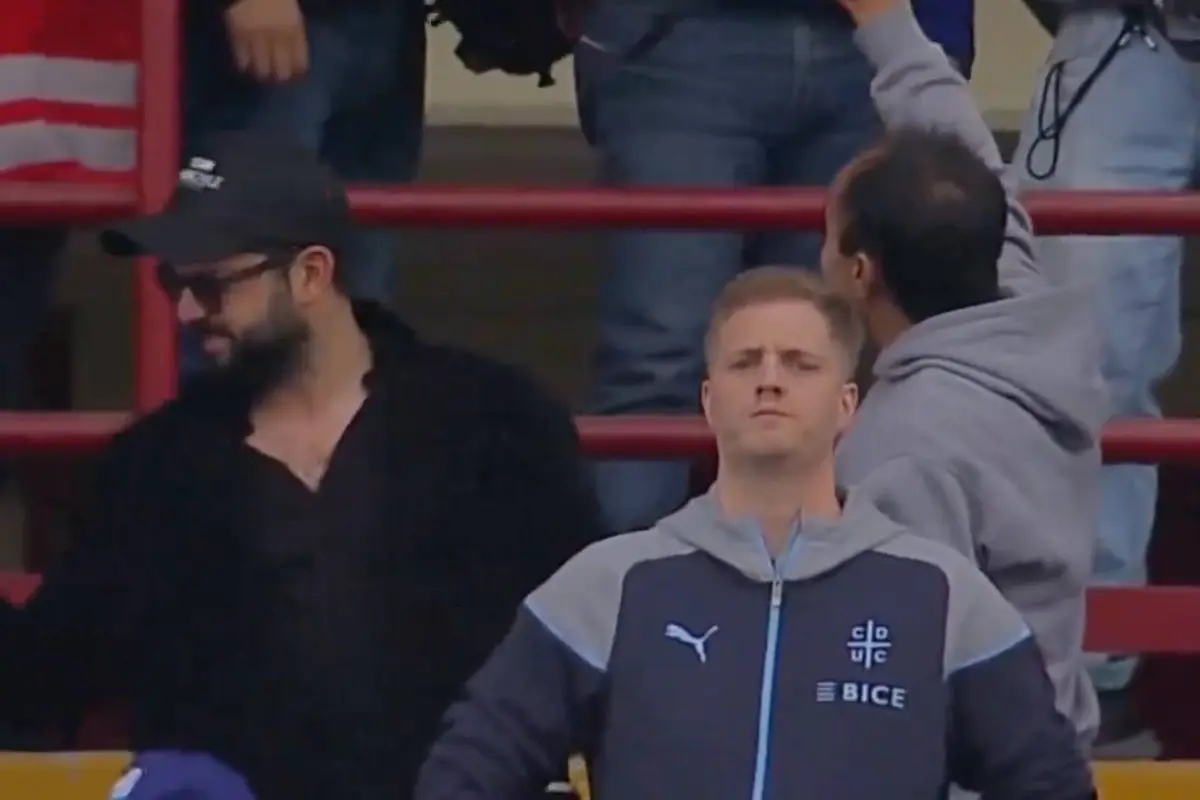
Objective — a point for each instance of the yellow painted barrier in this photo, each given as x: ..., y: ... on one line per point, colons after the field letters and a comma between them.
x: 60, y: 776
x: 577, y: 775
x: 1148, y: 780
x: 1116, y: 780
x: 90, y: 776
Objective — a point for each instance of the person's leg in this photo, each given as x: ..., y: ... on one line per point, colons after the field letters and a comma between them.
x: 1135, y: 128
x: 375, y: 135
x: 217, y: 97
x: 692, y: 110
x: 30, y: 263
x: 833, y: 120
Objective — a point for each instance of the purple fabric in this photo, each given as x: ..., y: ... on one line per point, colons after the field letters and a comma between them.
x: 175, y: 775
x: 950, y: 23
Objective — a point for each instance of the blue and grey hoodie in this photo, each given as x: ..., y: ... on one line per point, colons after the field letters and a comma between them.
x: 982, y: 428
x: 685, y: 662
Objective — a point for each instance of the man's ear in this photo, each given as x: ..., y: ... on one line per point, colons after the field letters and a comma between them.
x: 848, y: 406
x: 705, y: 392
x: 312, y: 274
x: 865, y: 276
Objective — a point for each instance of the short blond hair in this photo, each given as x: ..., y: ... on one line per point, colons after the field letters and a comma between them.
x: 763, y: 285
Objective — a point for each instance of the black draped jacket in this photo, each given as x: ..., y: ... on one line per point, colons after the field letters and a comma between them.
x: 159, y: 599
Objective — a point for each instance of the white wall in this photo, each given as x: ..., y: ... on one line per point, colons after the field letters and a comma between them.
x: 1011, y: 46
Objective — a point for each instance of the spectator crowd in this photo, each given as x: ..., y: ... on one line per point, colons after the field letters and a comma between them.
x: 348, y: 562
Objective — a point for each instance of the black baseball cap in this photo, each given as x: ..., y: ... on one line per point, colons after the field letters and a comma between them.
x: 241, y: 193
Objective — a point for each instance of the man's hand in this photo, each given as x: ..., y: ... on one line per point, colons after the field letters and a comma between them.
x: 863, y: 11
x: 268, y: 39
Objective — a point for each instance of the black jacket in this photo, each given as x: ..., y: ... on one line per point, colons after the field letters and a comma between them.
x: 157, y: 599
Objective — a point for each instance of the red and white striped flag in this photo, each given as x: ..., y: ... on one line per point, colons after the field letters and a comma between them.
x: 68, y: 90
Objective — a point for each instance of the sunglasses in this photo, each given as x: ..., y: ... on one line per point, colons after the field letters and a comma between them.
x: 210, y: 288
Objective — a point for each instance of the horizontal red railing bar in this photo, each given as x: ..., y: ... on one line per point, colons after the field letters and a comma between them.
x: 1166, y: 441
x: 29, y: 203
x: 1150, y: 619
x: 742, y: 208
x: 1154, y: 619
x: 52, y: 432
x: 584, y: 207
x: 1175, y: 441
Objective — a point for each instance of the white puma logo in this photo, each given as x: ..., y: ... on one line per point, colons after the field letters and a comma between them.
x: 681, y: 634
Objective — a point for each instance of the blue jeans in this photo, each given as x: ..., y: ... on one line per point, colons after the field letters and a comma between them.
x: 361, y: 105
x: 1137, y: 128
x: 30, y: 263
x: 724, y: 100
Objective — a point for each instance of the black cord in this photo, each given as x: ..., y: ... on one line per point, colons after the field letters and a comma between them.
x: 1053, y: 115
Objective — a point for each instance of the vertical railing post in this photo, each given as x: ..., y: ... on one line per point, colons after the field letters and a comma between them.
x: 159, y: 73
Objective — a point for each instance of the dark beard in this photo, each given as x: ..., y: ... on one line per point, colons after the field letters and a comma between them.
x: 261, y: 358
x: 258, y: 366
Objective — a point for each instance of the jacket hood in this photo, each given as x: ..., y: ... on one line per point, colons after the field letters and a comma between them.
x: 817, y: 544
x: 1040, y: 350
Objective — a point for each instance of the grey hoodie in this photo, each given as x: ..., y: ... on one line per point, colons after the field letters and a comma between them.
x: 982, y: 429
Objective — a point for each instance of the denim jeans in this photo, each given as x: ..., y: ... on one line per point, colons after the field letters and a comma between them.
x: 30, y: 263
x: 723, y: 100
x: 361, y: 105
x: 1136, y: 128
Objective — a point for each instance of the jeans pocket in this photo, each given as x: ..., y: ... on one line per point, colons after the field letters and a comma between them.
x: 585, y: 83
x: 611, y: 40
x: 597, y: 63
x: 615, y: 28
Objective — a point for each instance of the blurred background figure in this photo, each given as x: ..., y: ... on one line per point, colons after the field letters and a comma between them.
x: 1117, y: 106
x: 763, y: 93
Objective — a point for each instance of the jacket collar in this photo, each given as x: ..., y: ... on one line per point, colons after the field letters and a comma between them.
x: 392, y: 340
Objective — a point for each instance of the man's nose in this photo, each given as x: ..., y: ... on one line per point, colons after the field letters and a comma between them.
x: 187, y: 310
x: 773, y: 390
x: 770, y: 377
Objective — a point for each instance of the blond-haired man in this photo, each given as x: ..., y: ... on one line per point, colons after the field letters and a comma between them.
x: 772, y: 638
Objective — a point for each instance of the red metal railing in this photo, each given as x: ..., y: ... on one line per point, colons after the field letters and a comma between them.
x: 538, y: 207
x: 1144, y: 620
x: 1168, y: 441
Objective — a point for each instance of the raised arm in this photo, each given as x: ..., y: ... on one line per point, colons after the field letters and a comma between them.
x: 915, y: 85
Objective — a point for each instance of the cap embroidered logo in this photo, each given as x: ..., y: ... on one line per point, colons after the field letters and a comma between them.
x: 200, y: 175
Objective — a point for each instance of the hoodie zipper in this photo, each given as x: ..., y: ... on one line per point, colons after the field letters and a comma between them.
x: 766, y: 695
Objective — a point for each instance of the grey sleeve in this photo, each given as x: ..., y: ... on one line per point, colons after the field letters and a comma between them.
x: 929, y: 500
x: 915, y: 85
x: 1007, y: 740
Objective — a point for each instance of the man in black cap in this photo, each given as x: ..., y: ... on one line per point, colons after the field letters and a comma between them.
x: 293, y: 566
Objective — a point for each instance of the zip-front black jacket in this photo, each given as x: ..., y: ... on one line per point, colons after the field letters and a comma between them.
x: 160, y: 598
